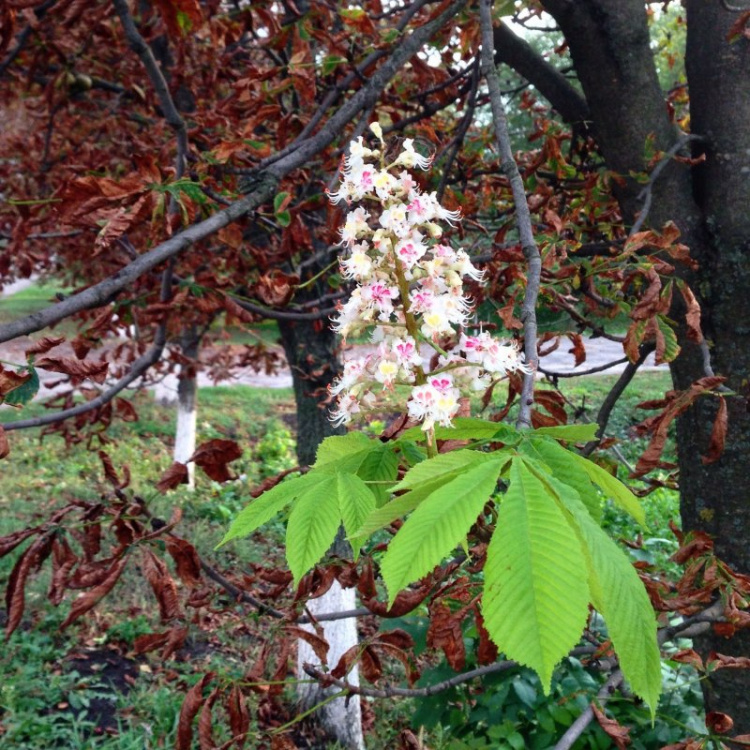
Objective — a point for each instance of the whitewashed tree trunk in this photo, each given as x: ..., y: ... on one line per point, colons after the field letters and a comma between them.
x: 341, y: 718
x: 187, y: 406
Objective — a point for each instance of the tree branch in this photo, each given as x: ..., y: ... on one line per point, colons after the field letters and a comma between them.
x: 545, y: 78
x: 605, y: 410
x: 140, y: 366
x: 161, y: 88
x: 523, y: 216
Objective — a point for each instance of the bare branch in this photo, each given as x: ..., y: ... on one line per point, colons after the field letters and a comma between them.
x: 546, y: 79
x: 605, y: 410
x: 580, y: 373
x: 523, y: 216
x: 171, y: 115
x: 266, y: 609
x: 646, y: 194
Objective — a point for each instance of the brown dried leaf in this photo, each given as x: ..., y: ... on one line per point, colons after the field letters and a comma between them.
x: 189, y: 710
x: 9, y: 542
x: 721, y: 661
x: 90, y: 599
x: 111, y: 474
x: 718, y: 722
x: 718, y: 434
x: 77, y: 369
x: 63, y: 561
x: 174, y: 476
x: 125, y: 410
x: 578, y: 350
x: 213, y: 457
x: 186, y: 560
x: 43, y: 345
x: 15, y: 593
x: 619, y: 734
x: 317, y: 644
x: 157, y: 574
x: 692, y: 314
x: 205, y: 735
x: 276, y: 288
x: 445, y: 632
x: 239, y: 716
x: 487, y: 651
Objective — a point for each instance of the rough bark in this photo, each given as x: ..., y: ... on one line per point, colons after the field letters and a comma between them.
x: 311, y: 350
x: 609, y: 45
x: 715, y: 496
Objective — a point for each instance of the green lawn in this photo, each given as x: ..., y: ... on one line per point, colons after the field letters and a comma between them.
x: 51, y: 696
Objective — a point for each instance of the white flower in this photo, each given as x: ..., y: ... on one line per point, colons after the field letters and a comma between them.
x: 409, y: 158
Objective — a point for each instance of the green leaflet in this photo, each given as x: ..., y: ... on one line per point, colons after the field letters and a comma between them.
x: 264, y: 508
x: 536, y: 595
x: 441, y: 466
x: 619, y: 595
x: 576, y: 432
x: 344, y: 452
x: 399, y: 507
x: 313, y: 524
x: 563, y: 465
x: 467, y: 428
x: 379, y: 465
x: 613, y: 488
x: 440, y: 522
x: 356, y: 503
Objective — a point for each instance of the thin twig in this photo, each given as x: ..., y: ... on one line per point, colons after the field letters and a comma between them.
x: 605, y: 410
x: 523, y: 215
x: 581, y: 373
x: 646, y: 194
x: 267, y: 609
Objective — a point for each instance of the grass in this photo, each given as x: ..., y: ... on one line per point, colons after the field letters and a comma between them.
x: 46, y: 694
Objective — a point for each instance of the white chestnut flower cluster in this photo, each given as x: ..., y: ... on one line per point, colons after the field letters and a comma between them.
x: 410, y: 289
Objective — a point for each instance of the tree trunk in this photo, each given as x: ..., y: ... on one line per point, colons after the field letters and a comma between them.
x: 715, y: 496
x: 311, y: 350
x: 187, y: 404
x: 709, y: 203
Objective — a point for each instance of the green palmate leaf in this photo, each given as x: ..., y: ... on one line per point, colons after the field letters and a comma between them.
x: 619, y: 595
x: 536, y: 595
x: 264, y: 508
x: 313, y: 525
x: 344, y: 453
x: 563, y: 465
x: 671, y: 347
x: 439, y: 524
x: 356, y: 503
x: 612, y: 488
x: 400, y: 506
x: 411, y: 452
x: 440, y: 466
x: 380, y: 465
x: 467, y: 428
x: 575, y: 432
